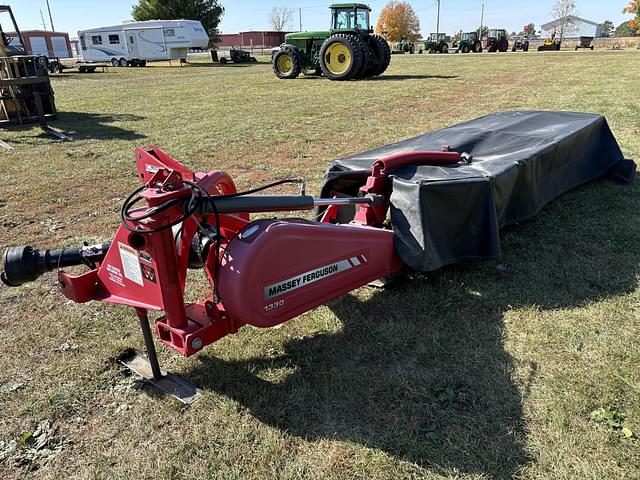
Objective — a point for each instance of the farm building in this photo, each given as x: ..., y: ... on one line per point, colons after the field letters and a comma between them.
x: 51, y: 44
x: 248, y: 39
x: 576, y: 27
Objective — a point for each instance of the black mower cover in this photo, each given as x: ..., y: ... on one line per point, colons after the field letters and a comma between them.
x: 521, y: 161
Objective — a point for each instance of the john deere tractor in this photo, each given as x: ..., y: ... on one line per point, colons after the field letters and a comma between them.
x: 348, y: 51
x: 468, y: 43
x: 437, y: 43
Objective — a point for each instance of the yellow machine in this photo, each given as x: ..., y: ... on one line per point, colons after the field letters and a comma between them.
x: 550, y: 44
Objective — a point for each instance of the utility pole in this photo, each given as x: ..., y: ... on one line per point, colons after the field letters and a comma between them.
x: 44, y: 24
x: 53, y: 29
x: 438, y: 22
x: 481, y: 23
x: 300, y: 13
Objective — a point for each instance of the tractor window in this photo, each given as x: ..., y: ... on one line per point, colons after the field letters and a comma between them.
x: 344, y: 19
x: 96, y: 39
x: 362, y: 19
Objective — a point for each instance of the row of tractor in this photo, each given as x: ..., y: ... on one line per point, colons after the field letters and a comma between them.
x: 496, y: 40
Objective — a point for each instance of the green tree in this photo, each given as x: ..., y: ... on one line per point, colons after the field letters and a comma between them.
x: 607, y: 28
x: 208, y: 12
x: 625, y: 29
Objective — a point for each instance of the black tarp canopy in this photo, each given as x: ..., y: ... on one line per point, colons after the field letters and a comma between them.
x: 521, y: 161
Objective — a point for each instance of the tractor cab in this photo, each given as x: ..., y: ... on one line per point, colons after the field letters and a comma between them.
x: 350, y: 17
x: 497, y: 33
x: 438, y: 37
x: 470, y: 37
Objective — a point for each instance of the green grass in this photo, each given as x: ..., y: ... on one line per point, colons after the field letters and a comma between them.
x: 465, y: 372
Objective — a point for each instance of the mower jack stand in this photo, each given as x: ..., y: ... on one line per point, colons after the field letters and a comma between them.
x: 149, y: 368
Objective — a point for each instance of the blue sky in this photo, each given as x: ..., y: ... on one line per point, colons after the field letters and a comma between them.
x: 73, y: 15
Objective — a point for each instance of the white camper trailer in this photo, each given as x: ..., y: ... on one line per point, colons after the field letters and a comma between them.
x: 135, y: 43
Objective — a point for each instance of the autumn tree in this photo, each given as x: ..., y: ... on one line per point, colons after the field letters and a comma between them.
x: 280, y: 18
x: 398, y: 21
x: 208, y: 12
x: 562, y: 10
x: 634, y: 9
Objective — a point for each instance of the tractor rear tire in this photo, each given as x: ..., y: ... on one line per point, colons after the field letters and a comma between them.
x: 287, y: 63
x: 378, y: 48
x: 477, y: 47
x: 341, y: 57
x: 366, y: 58
x: 525, y: 47
x: 503, y: 45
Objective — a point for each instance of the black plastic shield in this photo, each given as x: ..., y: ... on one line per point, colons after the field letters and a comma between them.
x: 521, y: 161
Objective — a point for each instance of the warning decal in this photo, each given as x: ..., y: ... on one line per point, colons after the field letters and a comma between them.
x: 130, y: 263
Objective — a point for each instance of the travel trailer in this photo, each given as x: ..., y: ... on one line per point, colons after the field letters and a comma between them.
x: 136, y: 43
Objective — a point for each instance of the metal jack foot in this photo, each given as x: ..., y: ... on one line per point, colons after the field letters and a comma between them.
x: 149, y: 368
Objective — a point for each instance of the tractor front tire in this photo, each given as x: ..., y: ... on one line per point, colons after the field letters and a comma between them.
x: 223, y: 61
x: 444, y: 48
x: 465, y: 48
x: 287, y: 63
x: 341, y: 57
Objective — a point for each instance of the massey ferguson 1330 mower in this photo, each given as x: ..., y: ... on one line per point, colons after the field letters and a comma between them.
x: 413, y: 204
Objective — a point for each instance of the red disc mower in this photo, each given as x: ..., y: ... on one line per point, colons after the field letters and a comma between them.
x: 261, y: 272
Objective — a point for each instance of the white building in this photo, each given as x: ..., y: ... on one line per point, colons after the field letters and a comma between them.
x: 576, y: 27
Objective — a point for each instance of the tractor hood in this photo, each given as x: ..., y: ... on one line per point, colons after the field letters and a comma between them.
x: 306, y: 35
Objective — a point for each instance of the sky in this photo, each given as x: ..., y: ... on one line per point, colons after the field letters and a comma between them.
x: 73, y: 15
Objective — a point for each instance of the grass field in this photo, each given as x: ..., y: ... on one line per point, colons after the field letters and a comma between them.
x: 468, y: 372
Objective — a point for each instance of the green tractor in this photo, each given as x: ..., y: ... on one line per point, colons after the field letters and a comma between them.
x: 437, y: 43
x: 468, y: 42
x: 348, y: 51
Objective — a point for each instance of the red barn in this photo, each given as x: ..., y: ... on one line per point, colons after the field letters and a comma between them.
x: 51, y: 44
x: 252, y: 39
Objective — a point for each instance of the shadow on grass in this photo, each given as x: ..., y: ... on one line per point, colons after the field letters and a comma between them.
x: 420, y: 370
x: 390, y: 78
x: 96, y: 126
x: 227, y: 65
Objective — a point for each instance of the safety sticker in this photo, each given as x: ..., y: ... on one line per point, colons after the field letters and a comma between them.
x: 148, y: 273
x: 130, y: 263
